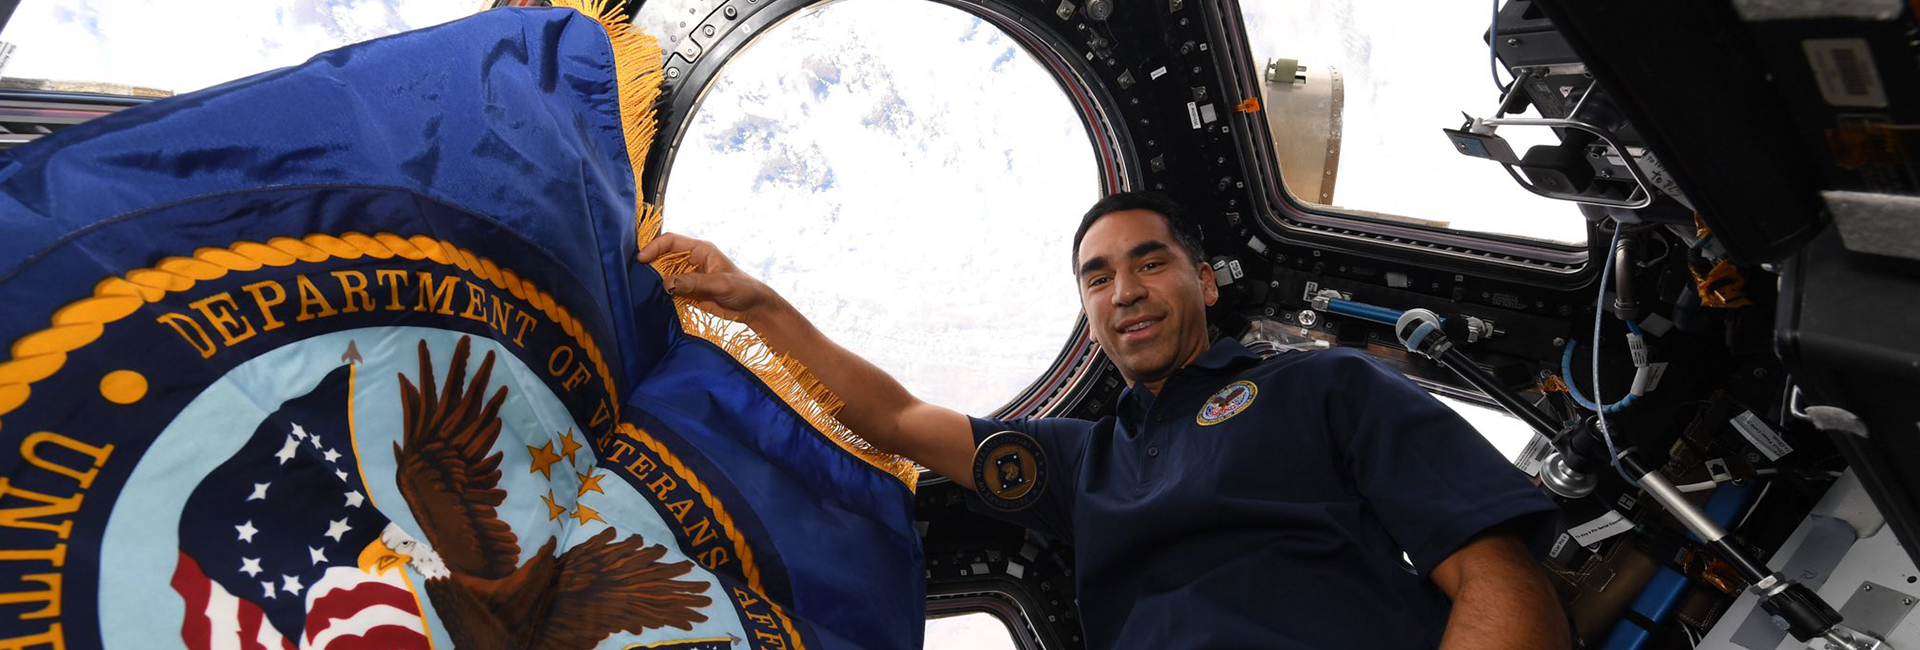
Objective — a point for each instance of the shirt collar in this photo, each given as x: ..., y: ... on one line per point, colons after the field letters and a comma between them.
x: 1226, y: 353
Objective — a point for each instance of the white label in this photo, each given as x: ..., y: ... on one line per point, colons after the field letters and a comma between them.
x: 1843, y: 67
x: 1637, y: 346
x: 1656, y: 325
x: 1193, y: 114
x: 1234, y: 266
x: 1156, y: 73
x: 1761, y: 435
x: 1207, y: 114
x: 1598, y: 530
x: 1654, y: 372
x: 1529, y: 459
x: 1559, y: 544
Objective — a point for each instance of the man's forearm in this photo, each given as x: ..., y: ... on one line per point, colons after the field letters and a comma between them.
x: 869, y: 392
x: 1499, y: 621
x: 874, y: 401
x: 1501, y: 599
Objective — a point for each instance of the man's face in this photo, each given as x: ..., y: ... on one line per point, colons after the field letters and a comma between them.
x: 1145, y: 299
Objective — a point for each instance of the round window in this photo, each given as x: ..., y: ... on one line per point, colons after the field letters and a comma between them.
x: 909, y: 178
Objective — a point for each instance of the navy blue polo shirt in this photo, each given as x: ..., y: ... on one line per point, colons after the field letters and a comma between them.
x: 1266, y: 504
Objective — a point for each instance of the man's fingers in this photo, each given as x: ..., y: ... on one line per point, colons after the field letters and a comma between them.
x: 700, y: 285
x: 667, y: 243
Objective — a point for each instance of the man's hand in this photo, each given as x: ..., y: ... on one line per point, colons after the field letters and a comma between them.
x: 1501, y: 598
x: 716, y: 286
x: 877, y: 407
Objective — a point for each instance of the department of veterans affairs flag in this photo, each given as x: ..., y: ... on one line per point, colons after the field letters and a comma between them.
x: 355, y: 355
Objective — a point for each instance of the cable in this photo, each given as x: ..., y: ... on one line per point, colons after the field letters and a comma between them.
x: 1493, y: 56
x: 1573, y: 389
x: 1708, y: 485
x: 1599, y: 315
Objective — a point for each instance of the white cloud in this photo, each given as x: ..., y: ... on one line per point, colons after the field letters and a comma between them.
x: 160, y: 44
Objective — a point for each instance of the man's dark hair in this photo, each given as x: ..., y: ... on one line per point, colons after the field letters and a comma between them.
x: 1186, y: 231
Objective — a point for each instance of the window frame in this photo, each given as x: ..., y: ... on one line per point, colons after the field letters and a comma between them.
x: 1288, y: 219
x: 998, y: 604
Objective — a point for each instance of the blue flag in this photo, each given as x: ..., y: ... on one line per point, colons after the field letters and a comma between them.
x: 356, y: 354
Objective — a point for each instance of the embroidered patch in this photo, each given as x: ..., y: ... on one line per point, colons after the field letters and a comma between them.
x: 1230, y: 401
x: 1009, y: 471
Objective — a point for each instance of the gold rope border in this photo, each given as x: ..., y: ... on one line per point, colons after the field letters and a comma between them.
x: 638, y: 68
x: 39, y: 355
x: 740, y: 547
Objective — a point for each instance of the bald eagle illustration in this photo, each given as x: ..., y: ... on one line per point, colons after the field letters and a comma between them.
x: 449, y: 474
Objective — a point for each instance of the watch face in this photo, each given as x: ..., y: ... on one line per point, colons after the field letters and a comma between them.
x: 1009, y: 470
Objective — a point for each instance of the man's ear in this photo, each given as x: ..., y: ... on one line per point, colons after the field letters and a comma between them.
x: 1208, y: 289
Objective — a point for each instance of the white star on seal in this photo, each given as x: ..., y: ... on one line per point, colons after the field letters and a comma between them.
x: 250, y: 566
x: 259, y: 491
x: 269, y: 587
x: 337, y: 528
x: 246, y: 531
x: 340, y: 473
x: 315, y: 439
x: 332, y: 455
x: 299, y: 432
x: 286, y: 451
x: 354, y: 499
x: 292, y: 585
x: 317, y: 554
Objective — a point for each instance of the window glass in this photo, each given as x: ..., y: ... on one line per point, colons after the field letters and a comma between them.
x: 1409, y: 69
x: 910, y: 179
x: 1507, y: 433
x: 969, y: 631
x: 165, y: 45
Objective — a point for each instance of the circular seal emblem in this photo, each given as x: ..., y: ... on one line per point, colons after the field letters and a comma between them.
x: 1009, y: 470
x: 1230, y: 401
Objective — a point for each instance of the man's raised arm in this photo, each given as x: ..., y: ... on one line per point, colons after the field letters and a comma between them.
x: 877, y: 409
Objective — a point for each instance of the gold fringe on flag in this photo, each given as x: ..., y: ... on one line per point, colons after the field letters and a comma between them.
x: 638, y: 65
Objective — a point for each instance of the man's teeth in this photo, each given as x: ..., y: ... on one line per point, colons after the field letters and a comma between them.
x: 1139, y: 326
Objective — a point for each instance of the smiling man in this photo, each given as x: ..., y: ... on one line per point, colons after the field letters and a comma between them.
x: 1230, y: 500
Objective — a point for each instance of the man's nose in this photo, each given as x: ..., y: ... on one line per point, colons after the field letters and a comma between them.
x: 1127, y: 290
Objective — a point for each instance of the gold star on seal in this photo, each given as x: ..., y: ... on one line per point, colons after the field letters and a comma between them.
x: 584, y: 514
x: 543, y: 459
x: 554, y: 510
x: 568, y: 445
x: 590, y: 482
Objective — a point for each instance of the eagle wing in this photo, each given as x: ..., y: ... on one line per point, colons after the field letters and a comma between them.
x: 445, y: 470
x: 607, y: 586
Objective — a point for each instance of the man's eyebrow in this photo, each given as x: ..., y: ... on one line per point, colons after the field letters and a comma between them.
x: 1095, y: 264
x: 1144, y: 249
